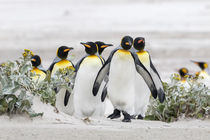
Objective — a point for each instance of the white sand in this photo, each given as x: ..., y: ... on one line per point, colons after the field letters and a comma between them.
x: 54, y: 126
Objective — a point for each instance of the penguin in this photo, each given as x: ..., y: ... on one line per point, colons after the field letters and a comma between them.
x: 121, y: 66
x: 37, y: 68
x: 85, y: 104
x: 61, y: 60
x: 63, y: 96
x: 142, y: 91
x: 183, y: 72
x: 205, y: 72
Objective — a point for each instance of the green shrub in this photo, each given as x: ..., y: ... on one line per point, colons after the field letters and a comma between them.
x: 17, y: 87
x: 190, y: 100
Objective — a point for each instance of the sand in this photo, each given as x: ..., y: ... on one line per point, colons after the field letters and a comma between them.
x: 54, y: 126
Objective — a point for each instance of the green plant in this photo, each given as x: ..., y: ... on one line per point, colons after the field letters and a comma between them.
x: 190, y: 99
x: 17, y: 87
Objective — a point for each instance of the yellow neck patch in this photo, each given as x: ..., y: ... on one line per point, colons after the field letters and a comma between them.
x: 62, y: 65
x: 205, y: 65
x: 123, y: 51
x: 144, y: 58
x: 39, y: 74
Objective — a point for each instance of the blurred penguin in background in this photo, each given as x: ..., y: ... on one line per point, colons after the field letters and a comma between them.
x: 183, y: 72
x: 204, y: 73
x: 37, y: 69
x: 63, y: 96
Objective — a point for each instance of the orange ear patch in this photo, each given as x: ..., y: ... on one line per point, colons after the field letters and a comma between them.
x: 140, y: 41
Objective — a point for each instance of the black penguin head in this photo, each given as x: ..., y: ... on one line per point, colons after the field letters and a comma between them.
x: 35, y: 60
x: 63, y: 51
x: 102, y: 46
x: 202, y: 65
x: 126, y: 42
x: 183, y: 72
x: 90, y: 47
x: 139, y: 43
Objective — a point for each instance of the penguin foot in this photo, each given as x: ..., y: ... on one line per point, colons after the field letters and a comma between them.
x: 115, y: 114
x: 56, y: 110
x: 127, y: 117
x: 140, y: 117
x: 86, y: 120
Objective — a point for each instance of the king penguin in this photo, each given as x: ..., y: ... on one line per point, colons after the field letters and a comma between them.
x: 62, y: 96
x: 121, y: 66
x: 204, y: 73
x: 183, y: 72
x: 141, y: 89
x: 85, y: 104
x: 40, y: 73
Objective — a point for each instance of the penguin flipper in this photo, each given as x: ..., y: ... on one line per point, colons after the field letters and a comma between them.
x: 158, y: 82
x: 145, y: 74
x: 53, y: 63
x: 78, y: 64
x: 104, y: 93
x: 102, y: 73
x: 51, y: 67
x: 66, y: 98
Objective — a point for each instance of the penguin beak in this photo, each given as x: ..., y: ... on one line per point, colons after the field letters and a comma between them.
x: 88, y: 46
x: 127, y: 43
x: 34, y: 60
x: 194, y: 62
x: 106, y: 45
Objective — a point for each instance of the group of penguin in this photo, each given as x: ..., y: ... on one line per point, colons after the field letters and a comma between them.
x: 127, y: 78
x: 204, y: 73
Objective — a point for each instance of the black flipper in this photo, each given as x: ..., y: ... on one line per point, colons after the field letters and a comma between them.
x: 104, y: 93
x: 66, y: 98
x: 158, y: 82
x: 76, y: 69
x: 51, y: 67
x: 145, y: 74
x: 78, y: 64
x: 102, y: 73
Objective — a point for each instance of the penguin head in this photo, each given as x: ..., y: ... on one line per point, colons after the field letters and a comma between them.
x: 126, y: 42
x: 35, y: 60
x: 139, y: 43
x: 90, y: 47
x: 183, y: 72
x: 63, y: 51
x: 202, y: 65
x: 102, y: 46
